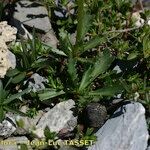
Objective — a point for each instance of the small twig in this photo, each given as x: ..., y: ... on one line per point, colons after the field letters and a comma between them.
x: 123, y: 30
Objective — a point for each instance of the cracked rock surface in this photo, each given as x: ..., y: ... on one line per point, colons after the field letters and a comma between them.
x: 7, y: 58
x: 125, y: 130
x: 7, y: 127
x: 32, y: 14
x: 58, y: 118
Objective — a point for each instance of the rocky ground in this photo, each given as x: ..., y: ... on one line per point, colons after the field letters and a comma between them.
x: 125, y: 129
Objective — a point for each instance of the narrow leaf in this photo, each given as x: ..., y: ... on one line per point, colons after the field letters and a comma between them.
x: 72, y: 69
x: 15, y: 96
x: 2, y: 114
x: 41, y: 63
x: 107, y: 91
x: 54, y: 50
x: 85, y: 79
x: 14, y: 111
x: 19, y: 78
x: 99, y: 67
x: 94, y: 42
x: 83, y: 19
x: 50, y: 93
x: 25, y: 55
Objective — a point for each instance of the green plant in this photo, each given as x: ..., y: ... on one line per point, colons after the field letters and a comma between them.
x: 33, y: 57
x: 32, y: 112
x: 49, y: 135
x: 83, y: 69
x: 88, y: 135
x: 79, y: 84
x: 6, y: 99
x: 23, y: 146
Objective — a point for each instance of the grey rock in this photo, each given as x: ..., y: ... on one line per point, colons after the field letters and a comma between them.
x: 21, y: 131
x: 117, y: 69
x: 58, y: 14
x: 26, y: 124
x: 63, y: 11
x: 38, y: 82
x: 148, y: 148
x: 116, y: 101
x: 95, y: 115
x: 7, y: 128
x: 50, y: 39
x: 58, y: 118
x: 32, y: 14
x: 13, y: 143
x: 73, y: 38
x: 12, y: 59
x: 58, y: 2
x: 125, y: 130
x: 21, y: 29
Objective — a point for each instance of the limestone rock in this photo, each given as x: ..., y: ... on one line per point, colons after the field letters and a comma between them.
x: 73, y: 38
x: 139, y: 7
x: 32, y: 14
x: 139, y: 22
x: 50, y: 39
x: 38, y: 82
x: 12, y: 59
x: 148, y: 148
x: 57, y: 118
x: 7, y: 33
x: 7, y: 127
x: 125, y: 130
x: 22, y: 30
x: 27, y: 124
x: 7, y: 59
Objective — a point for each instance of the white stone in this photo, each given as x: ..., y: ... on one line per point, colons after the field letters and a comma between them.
x: 139, y: 22
x: 125, y: 130
x: 7, y: 128
x: 148, y: 148
x: 38, y: 83
x: 27, y: 123
x: 7, y: 58
x: 50, y: 39
x: 12, y: 59
x: 57, y: 118
x: 117, y: 68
